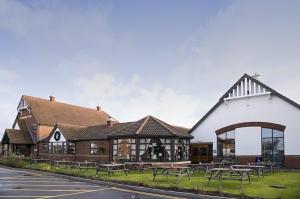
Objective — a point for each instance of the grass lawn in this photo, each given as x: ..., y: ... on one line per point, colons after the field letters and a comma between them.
x: 258, y: 188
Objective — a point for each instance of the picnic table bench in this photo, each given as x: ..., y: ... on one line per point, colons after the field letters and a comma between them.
x: 229, y: 174
x: 258, y: 169
x: 111, y: 168
x: 141, y: 166
x: 85, y: 165
x: 201, y: 166
x: 62, y: 163
x: 177, y: 171
x: 271, y: 166
x: 41, y: 160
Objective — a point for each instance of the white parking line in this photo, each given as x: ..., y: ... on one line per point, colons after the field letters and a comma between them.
x: 69, y: 194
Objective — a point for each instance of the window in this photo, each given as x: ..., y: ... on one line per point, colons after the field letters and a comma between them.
x: 34, y: 126
x: 181, y: 149
x: 203, y: 151
x: 45, y: 148
x: 226, y: 145
x: 155, y: 149
x: 195, y: 151
x: 57, y: 147
x: 94, y: 148
x: 71, y: 148
x: 124, y: 149
x: 272, y: 145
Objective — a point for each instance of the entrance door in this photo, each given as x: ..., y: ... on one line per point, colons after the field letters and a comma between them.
x: 201, y: 152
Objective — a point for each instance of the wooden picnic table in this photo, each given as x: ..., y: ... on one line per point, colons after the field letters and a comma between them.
x: 201, y: 166
x: 111, y: 168
x: 40, y: 160
x: 138, y: 165
x: 85, y: 165
x: 59, y: 163
x: 229, y: 174
x: 258, y: 169
x: 268, y: 165
x: 177, y: 171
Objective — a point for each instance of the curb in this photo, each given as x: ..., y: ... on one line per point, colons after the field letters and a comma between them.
x: 124, y: 186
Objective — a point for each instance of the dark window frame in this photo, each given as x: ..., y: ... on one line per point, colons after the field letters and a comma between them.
x: 133, y: 150
x: 94, y: 148
x: 226, y: 156
x: 272, y: 138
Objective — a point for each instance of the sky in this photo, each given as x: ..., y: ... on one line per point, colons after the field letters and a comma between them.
x: 172, y: 59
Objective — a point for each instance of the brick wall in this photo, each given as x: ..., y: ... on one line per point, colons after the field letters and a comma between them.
x: 292, y: 161
x: 245, y: 159
x: 83, y: 150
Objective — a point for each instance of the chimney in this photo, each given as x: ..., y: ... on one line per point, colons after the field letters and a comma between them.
x: 52, y: 98
x: 110, y: 122
x: 98, y: 108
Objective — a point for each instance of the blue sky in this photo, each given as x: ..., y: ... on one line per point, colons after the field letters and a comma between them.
x: 171, y: 59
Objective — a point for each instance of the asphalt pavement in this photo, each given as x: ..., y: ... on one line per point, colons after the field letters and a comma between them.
x: 30, y: 184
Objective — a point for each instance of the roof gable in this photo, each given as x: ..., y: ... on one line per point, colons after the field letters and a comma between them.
x: 148, y: 127
x: 236, y: 92
x: 57, y: 136
x: 246, y: 87
x: 68, y: 132
x: 16, y: 136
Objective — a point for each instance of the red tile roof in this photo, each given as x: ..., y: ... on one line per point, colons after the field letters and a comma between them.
x: 16, y: 136
x: 145, y: 127
x: 49, y: 113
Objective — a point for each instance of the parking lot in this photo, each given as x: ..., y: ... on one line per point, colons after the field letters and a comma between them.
x: 24, y: 184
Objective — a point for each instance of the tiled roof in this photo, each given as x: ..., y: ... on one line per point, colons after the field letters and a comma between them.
x: 16, y: 136
x: 150, y: 127
x: 49, y: 113
x: 70, y: 131
x: 100, y: 131
x: 146, y: 127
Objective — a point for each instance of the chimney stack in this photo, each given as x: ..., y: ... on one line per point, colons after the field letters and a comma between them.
x: 110, y: 122
x: 98, y: 108
x: 52, y: 98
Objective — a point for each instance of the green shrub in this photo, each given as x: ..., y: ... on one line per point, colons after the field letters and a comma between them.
x: 12, y: 161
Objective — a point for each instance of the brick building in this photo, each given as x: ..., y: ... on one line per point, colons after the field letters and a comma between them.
x: 50, y: 129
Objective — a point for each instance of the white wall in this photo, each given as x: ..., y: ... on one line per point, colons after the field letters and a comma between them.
x: 248, y: 141
x: 253, y: 109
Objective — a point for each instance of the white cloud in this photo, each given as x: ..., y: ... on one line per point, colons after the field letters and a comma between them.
x: 129, y: 100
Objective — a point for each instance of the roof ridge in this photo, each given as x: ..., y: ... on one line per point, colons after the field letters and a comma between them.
x: 61, y: 123
x: 143, y: 125
x: 122, y: 128
x: 106, y: 124
x: 59, y: 102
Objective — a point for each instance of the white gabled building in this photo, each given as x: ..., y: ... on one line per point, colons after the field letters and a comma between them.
x: 250, y: 121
